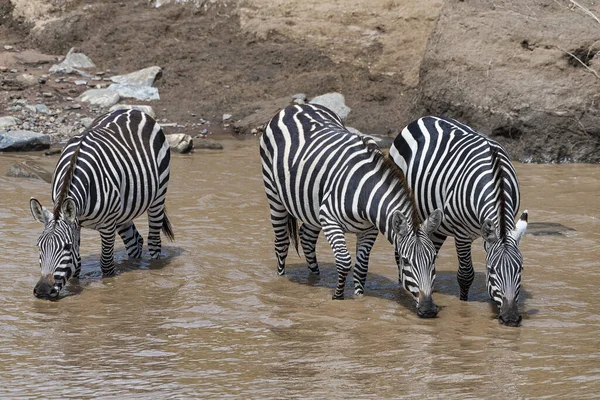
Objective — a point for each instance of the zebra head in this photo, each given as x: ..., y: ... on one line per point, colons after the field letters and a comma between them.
x: 417, y: 259
x: 504, y: 264
x: 59, y: 247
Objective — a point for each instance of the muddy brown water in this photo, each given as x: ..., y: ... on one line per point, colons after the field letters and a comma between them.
x: 212, y: 319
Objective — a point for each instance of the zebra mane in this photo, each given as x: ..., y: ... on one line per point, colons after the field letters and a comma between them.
x: 66, y: 183
x: 396, y: 172
x: 499, y: 175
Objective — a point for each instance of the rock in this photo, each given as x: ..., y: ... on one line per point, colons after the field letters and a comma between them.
x: 144, y: 93
x: 143, y: 77
x: 334, y: 101
x: 80, y: 82
x: 29, y: 169
x: 72, y: 62
x: 145, y: 109
x: 383, y: 142
x: 202, y: 143
x: 87, y: 121
x: 52, y: 152
x: 23, y: 141
x: 180, y: 142
x: 27, y: 80
x: 7, y: 122
x: 227, y: 117
x: 509, y: 76
x: 8, y: 47
x: 299, y: 96
x: 548, y: 229
x: 99, y: 97
x: 264, y: 111
x: 42, y: 108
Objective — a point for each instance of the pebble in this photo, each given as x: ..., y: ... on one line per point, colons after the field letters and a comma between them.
x: 42, y: 80
x: 80, y: 82
x: 47, y: 94
x: 76, y: 106
x: 8, y: 47
x: 14, y: 71
x: 227, y: 117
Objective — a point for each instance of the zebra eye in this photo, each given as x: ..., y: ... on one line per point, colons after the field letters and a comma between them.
x: 68, y: 246
x: 405, y: 261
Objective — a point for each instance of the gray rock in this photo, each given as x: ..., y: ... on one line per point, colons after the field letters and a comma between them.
x: 23, y: 141
x: 548, y: 229
x: 144, y: 93
x: 334, y: 101
x: 99, y: 97
x: 72, y: 62
x: 7, y: 122
x: 227, y: 117
x: 143, y: 77
x: 26, y: 125
x: 80, y: 82
x: 299, y: 96
x: 264, y: 111
x: 42, y: 108
x: 87, y: 121
x: 27, y: 80
x: 180, y: 142
x: 29, y: 169
x: 145, y: 109
x: 202, y: 143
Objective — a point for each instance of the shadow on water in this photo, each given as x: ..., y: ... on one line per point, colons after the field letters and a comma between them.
x: 381, y: 286
x: 91, y: 272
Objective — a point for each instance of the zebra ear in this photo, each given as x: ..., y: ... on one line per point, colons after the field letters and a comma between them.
x: 521, y: 227
x: 432, y: 223
x: 488, y: 231
x: 399, y: 223
x: 39, y: 212
x: 69, y: 210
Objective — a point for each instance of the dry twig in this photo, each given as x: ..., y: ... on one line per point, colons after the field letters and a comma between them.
x: 579, y: 61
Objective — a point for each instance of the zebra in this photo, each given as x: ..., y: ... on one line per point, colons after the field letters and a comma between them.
x: 105, y: 177
x: 448, y: 165
x: 316, y: 171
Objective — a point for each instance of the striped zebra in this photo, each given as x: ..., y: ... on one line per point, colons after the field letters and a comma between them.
x: 105, y: 177
x: 316, y: 171
x: 450, y: 166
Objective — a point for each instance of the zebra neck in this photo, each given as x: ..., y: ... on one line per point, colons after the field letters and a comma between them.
x: 382, y: 209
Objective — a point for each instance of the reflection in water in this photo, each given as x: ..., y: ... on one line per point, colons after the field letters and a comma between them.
x: 212, y: 319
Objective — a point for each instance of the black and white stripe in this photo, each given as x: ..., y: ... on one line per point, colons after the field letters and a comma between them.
x: 450, y: 166
x: 316, y: 171
x: 105, y: 177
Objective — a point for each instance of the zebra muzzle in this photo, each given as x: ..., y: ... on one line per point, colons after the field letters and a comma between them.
x: 45, y: 289
x: 509, y: 314
x: 426, y: 307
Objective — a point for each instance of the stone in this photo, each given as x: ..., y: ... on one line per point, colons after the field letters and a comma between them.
x: 52, y: 152
x: 227, y: 117
x: 202, y: 143
x: 27, y: 80
x: 264, y: 111
x: 143, y: 77
x: 23, y: 140
x: 80, y: 82
x: 29, y: 169
x: 87, y: 121
x: 104, y: 98
x: 8, y: 47
x: 334, y: 101
x: 42, y: 108
x: 144, y: 93
x: 72, y: 62
x: 145, y: 109
x: 180, y: 142
x: 7, y: 122
x: 299, y: 96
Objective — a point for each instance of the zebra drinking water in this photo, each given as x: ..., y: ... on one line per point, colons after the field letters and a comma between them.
x: 450, y: 166
x: 316, y: 171
x: 105, y: 177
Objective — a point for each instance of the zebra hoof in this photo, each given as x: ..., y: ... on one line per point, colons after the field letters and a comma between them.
x: 359, y: 294
x: 337, y: 297
x: 314, y: 271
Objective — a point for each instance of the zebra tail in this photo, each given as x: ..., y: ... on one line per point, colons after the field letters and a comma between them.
x: 167, y: 228
x: 293, y: 230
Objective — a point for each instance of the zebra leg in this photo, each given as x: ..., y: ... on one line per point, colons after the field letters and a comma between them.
x: 107, y: 263
x: 155, y: 223
x: 466, y: 273
x: 364, y: 244
x: 308, y: 239
x: 279, y: 220
x: 343, y: 261
x: 131, y: 238
x: 77, y: 260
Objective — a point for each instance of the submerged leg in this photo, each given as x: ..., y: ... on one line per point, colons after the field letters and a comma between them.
x: 364, y: 244
x: 466, y: 273
x: 131, y: 238
x: 156, y: 214
x: 108, y: 248
x: 343, y: 261
x: 308, y: 239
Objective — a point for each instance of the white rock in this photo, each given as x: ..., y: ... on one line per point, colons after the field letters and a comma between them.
x: 334, y: 101
x: 145, y: 109
x: 227, y: 117
x: 144, y: 93
x: 7, y: 122
x: 180, y: 142
x: 100, y: 97
x: 143, y: 77
x: 23, y: 140
x: 71, y: 62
